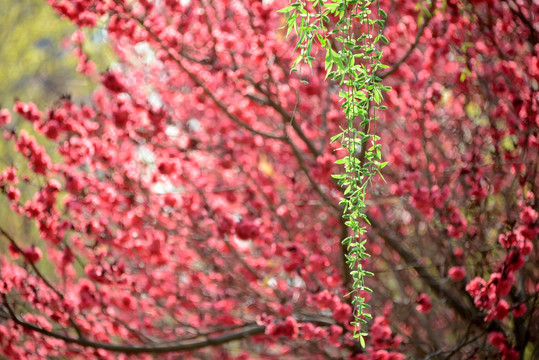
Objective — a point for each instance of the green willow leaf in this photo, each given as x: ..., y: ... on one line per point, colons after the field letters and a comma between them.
x: 352, y: 60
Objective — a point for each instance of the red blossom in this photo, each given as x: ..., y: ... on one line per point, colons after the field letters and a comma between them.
x: 334, y: 335
x: 9, y: 175
x: 381, y: 333
x: 510, y: 354
x: 342, y: 313
x: 497, y: 339
x: 307, y: 331
x: 287, y: 328
x: 424, y: 304
x: 28, y: 110
x: 475, y: 286
x: 5, y: 117
x: 458, y: 252
x: 519, y: 310
x: 246, y: 230
x: 33, y: 254
x: 13, y: 194
x: 457, y: 273
x: 509, y: 240
x: 113, y: 82
x: 87, y: 294
x: 500, y: 311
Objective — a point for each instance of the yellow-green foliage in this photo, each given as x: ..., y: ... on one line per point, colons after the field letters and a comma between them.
x: 34, y: 65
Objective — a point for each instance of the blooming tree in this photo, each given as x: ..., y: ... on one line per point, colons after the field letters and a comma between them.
x: 190, y: 206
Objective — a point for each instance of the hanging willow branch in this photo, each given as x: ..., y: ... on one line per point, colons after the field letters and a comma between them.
x: 349, y: 31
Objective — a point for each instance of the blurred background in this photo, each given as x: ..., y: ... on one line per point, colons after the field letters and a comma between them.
x: 37, y: 64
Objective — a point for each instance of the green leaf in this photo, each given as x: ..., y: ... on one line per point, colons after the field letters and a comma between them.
x: 377, y: 95
x: 300, y: 41
x: 285, y: 9
x: 331, y: 6
x: 384, y: 39
x: 336, y: 137
x: 360, y: 91
x: 362, y: 341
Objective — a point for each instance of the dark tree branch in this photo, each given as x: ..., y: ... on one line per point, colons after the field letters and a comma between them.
x: 181, y: 345
x: 392, y: 240
x: 244, y: 332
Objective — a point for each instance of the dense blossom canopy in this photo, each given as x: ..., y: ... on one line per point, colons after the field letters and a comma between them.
x: 190, y: 206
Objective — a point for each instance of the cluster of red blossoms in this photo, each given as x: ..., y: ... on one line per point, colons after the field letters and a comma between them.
x: 189, y: 207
